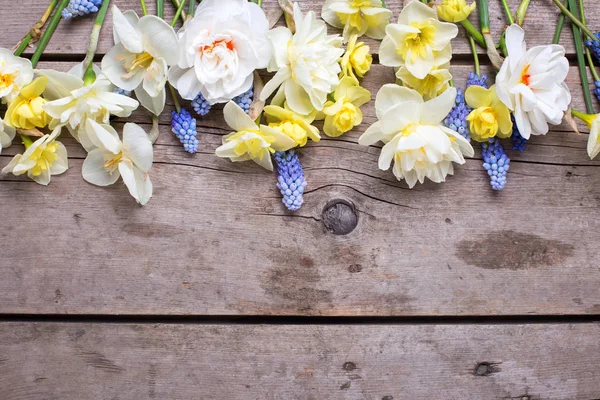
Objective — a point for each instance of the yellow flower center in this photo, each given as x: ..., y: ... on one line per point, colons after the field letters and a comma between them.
x: 293, y: 130
x: 7, y: 80
x: 132, y: 65
x: 347, y: 118
x: 112, y: 162
x: 44, y: 158
x: 525, y: 76
x: 409, y: 129
x: 254, y: 146
x: 483, y: 123
x: 418, y: 42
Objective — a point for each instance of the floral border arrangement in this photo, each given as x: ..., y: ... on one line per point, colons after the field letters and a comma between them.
x: 426, y: 124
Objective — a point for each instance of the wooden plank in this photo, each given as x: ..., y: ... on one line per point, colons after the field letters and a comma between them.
x: 71, y: 36
x: 168, y: 361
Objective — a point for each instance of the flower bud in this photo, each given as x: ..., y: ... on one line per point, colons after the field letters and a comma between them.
x: 455, y: 10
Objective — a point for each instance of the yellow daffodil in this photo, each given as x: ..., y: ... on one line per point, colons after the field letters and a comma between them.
x: 344, y: 114
x: 357, y: 17
x: 25, y: 110
x: 455, y: 10
x: 297, y: 127
x: 593, y: 122
x: 490, y: 117
x: 357, y: 61
x: 42, y: 159
x: 434, y: 83
x: 250, y: 141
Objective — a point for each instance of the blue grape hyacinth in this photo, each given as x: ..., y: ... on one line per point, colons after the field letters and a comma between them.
x: 201, y: 105
x: 518, y: 141
x: 597, y: 90
x: 123, y: 92
x: 245, y: 99
x: 184, y: 127
x: 474, y: 79
x: 457, y: 119
x: 79, y: 8
x: 291, y: 182
x: 495, y: 162
x: 594, y: 46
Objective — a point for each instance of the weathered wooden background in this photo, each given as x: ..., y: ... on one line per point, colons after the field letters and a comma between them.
x: 466, y: 293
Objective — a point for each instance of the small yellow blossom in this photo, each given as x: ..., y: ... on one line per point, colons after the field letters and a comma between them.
x: 455, y: 10
x: 25, y: 110
x: 357, y: 61
x: 490, y: 117
x: 344, y: 114
x: 297, y: 127
x: 434, y: 83
x: 357, y: 17
x: 42, y: 158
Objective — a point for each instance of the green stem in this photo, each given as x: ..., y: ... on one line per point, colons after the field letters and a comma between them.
x: 581, y: 62
x: 89, y: 76
x: 175, y: 99
x: 178, y: 13
x: 507, y: 11
x: 588, y: 54
x: 191, y: 7
x: 522, y: 11
x: 484, y: 16
x: 475, y: 55
x: 383, y: 4
x: 160, y: 8
x: 473, y: 32
x: 559, y: 26
x: 35, y: 29
x: 144, y: 9
x: 48, y: 33
x: 574, y: 19
x: 26, y: 141
x: 177, y: 4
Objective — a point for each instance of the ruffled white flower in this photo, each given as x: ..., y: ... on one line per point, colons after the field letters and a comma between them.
x: 220, y: 49
x: 357, y: 17
x: 144, y: 49
x: 414, y: 136
x: 250, y: 141
x: 7, y: 134
x: 15, y: 72
x: 112, y: 158
x: 419, y: 41
x: 306, y: 63
x: 531, y: 83
x: 75, y: 103
x: 42, y: 159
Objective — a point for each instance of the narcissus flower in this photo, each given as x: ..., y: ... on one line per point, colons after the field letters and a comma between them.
x: 418, y: 41
x: 532, y: 83
x: 306, y: 63
x: 295, y: 126
x: 250, y: 141
x: 25, y: 110
x: 593, y: 122
x: 455, y: 10
x: 220, y: 49
x: 344, y: 113
x: 356, y: 61
x: 7, y: 134
x: 144, y: 48
x: 490, y: 117
x: 434, y: 83
x: 130, y: 159
x: 357, y: 17
x: 15, y: 73
x: 414, y: 136
x: 42, y: 159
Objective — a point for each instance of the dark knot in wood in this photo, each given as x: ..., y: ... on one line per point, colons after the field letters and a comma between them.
x: 339, y: 217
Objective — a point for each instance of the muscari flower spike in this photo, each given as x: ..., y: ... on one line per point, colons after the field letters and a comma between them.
x: 518, y: 141
x: 245, y: 99
x: 291, y: 182
x: 184, y: 127
x: 495, y: 162
x: 597, y: 90
x: 594, y: 46
x: 201, y: 105
x: 457, y: 119
x: 79, y: 8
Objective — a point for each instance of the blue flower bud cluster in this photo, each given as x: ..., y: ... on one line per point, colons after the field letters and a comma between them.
x: 594, y: 46
x: 245, y: 99
x: 457, y: 119
x: 474, y: 79
x: 518, y: 141
x: 79, y: 8
x: 290, y: 182
x: 201, y: 105
x: 597, y: 90
x: 184, y: 127
x: 122, y: 92
x: 495, y: 162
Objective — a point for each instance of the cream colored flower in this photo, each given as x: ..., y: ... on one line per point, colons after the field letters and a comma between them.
x: 306, y: 63
x: 414, y: 136
x: 15, y: 73
x: 25, y: 110
x: 455, y: 10
x: 418, y: 41
x: 357, y: 17
x: 532, y: 83
x: 42, y: 159
x: 490, y: 117
x: 250, y: 141
x: 356, y: 61
x: 434, y: 83
x: 130, y: 159
x: 343, y: 114
x: 144, y: 48
x: 295, y: 126
x: 7, y: 134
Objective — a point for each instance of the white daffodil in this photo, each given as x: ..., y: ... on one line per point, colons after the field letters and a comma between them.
x: 418, y: 41
x: 434, y: 83
x: 306, y: 63
x: 144, y: 49
x: 7, y: 134
x: 130, y: 159
x: 79, y: 103
x: 357, y: 17
x: 250, y: 141
x: 15, y: 72
x: 221, y: 47
x: 42, y: 159
x: 414, y: 136
x: 531, y: 83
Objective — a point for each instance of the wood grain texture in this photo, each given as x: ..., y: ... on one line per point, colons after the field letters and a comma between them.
x: 376, y: 362
x: 71, y: 37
